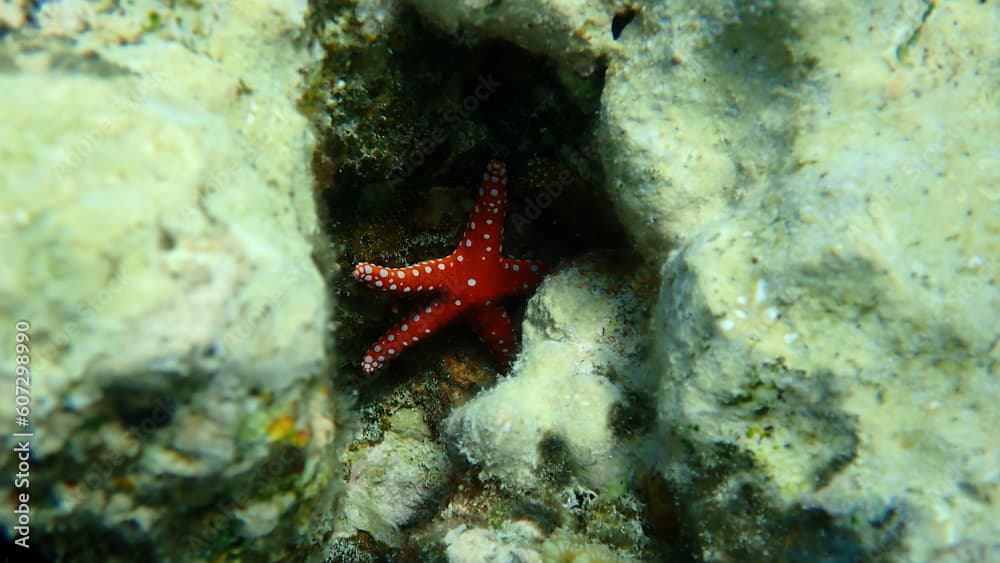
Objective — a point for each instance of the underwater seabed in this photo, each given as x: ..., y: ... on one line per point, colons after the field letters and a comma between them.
x: 766, y: 329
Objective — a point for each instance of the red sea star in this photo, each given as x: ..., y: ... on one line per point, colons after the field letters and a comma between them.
x: 470, y: 281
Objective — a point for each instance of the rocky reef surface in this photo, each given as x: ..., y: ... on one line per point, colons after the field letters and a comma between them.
x: 158, y: 224
x: 769, y: 334
x: 819, y: 184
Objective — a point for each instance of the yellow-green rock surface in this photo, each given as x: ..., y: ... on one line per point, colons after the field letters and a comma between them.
x: 157, y: 220
x: 826, y: 176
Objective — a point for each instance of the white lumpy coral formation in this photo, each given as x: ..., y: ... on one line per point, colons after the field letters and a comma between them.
x: 559, y: 387
x: 511, y: 542
x: 392, y: 483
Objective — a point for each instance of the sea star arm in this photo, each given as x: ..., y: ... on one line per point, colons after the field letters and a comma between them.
x: 419, y: 277
x: 522, y: 275
x: 421, y: 323
x: 493, y: 326
x: 484, y: 232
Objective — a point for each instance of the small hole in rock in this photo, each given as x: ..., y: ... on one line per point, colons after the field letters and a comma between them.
x: 619, y: 22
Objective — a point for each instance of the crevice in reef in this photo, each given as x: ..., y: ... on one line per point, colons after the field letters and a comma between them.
x: 406, y: 124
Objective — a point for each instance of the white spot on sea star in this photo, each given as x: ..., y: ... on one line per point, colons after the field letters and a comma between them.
x: 404, y: 328
x: 415, y: 273
x: 489, y: 221
x: 415, y: 339
x: 427, y: 330
x: 383, y: 273
x: 427, y: 269
x: 500, y: 341
x: 406, y: 290
x: 381, y: 359
x: 494, y: 192
x: 368, y: 269
x: 427, y: 310
x: 471, y: 282
x: 391, y: 337
x: 392, y: 287
x: 368, y: 278
x: 488, y: 249
x: 440, y: 266
x: 468, y: 242
x: 392, y: 351
x: 516, y: 267
x: 534, y: 267
x: 400, y: 274
x: 369, y: 359
x: 460, y: 258
x: 416, y: 318
x: 377, y: 348
x: 458, y: 302
x: 378, y: 283
x: 486, y: 236
x: 494, y: 179
x: 472, y: 225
